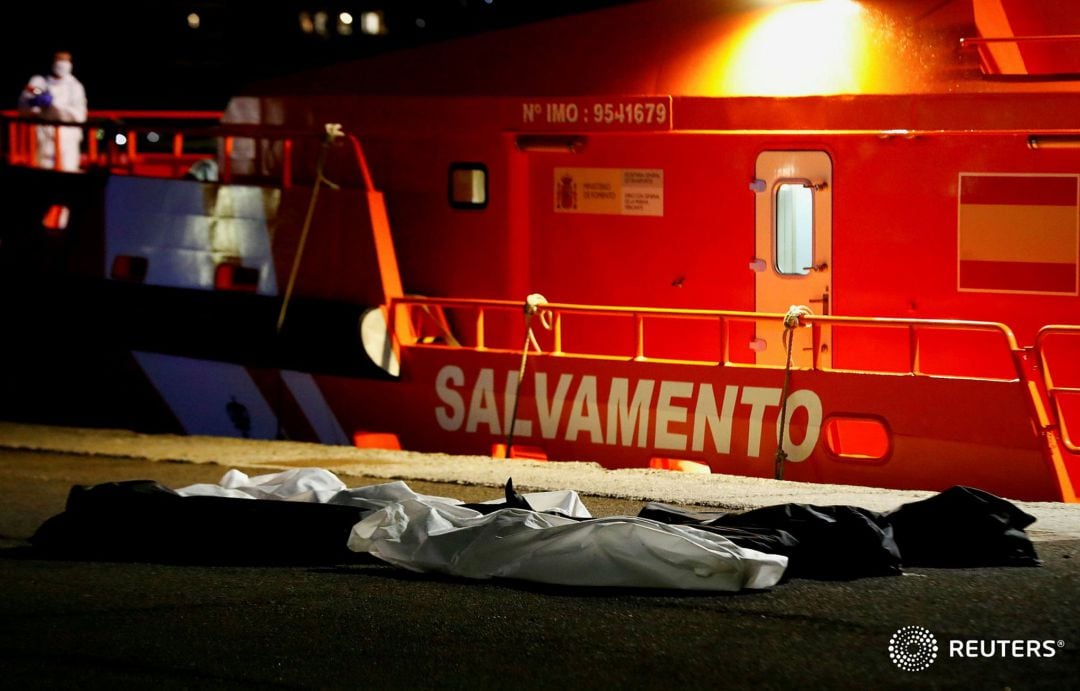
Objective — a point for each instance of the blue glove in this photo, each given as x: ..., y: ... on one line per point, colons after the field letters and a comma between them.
x: 42, y: 100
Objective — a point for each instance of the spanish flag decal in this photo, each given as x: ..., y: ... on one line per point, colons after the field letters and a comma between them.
x: 1018, y: 233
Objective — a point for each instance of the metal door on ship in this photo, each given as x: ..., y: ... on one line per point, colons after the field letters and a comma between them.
x: 793, y: 246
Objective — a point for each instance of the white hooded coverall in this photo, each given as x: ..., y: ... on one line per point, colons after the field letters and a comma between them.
x: 68, y: 105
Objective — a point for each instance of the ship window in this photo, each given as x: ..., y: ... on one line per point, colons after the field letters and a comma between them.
x: 468, y: 186
x: 794, y: 228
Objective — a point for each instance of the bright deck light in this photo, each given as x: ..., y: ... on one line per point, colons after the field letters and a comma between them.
x: 800, y: 48
x: 808, y: 47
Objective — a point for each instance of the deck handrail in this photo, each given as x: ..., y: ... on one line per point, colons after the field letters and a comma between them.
x: 1052, y: 389
x: 1040, y: 38
x: 724, y: 318
x: 174, y: 128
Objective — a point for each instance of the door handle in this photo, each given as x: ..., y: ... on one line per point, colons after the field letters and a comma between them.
x: 817, y: 267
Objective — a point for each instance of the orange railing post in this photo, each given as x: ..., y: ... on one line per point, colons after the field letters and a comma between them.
x: 557, y: 334
x: 639, y: 328
x: 92, y: 147
x: 177, y: 152
x: 286, y: 163
x: 57, y: 153
x: 226, y: 168
x: 480, y: 328
x: 17, y: 144
x: 32, y: 151
x: 913, y: 349
x: 725, y: 339
x: 132, y: 147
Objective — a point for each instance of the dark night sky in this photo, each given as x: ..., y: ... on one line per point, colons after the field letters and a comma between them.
x: 135, y: 55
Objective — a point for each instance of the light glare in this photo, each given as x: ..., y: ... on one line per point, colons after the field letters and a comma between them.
x: 372, y: 23
x: 345, y: 24
x: 321, y: 19
x: 307, y: 25
x: 794, y: 49
x: 806, y: 48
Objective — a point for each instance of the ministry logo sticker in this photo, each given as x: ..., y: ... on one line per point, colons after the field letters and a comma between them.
x: 913, y: 648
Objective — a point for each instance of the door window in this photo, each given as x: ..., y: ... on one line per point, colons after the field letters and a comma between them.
x: 794, y: 232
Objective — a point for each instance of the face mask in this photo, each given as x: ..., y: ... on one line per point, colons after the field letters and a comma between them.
x: 62, y: 68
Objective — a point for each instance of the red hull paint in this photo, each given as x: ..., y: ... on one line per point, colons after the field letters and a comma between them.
x: 943, y: 432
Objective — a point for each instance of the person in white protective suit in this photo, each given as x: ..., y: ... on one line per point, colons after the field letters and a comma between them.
x: 60, y: 97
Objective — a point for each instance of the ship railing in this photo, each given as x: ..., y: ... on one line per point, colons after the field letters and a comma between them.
x: 170, y: 144
x: 1059, y: 49
x: 1057, y: 355
x: 471, y: 323
x: 124, y: 141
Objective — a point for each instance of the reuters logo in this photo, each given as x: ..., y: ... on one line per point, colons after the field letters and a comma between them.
x: 913, y: 648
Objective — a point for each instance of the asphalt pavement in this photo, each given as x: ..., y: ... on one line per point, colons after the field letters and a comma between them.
x: 370, y: 625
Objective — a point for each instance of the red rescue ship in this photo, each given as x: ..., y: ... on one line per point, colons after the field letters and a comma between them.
x: 834, y: 241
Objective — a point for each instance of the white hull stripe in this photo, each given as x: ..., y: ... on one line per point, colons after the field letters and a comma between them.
x: 221, y: 399
x: 317, y: 411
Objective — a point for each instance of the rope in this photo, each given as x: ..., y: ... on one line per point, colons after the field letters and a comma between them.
x: 332, y: 133
x: 791, y: 322
x: 439, y: 320
x: 532, y: 306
